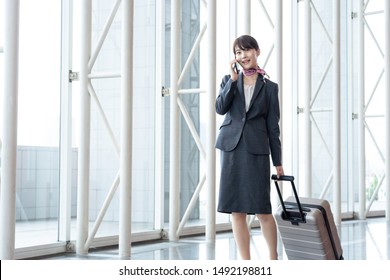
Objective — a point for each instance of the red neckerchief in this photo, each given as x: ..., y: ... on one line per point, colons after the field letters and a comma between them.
x: 251, y: 71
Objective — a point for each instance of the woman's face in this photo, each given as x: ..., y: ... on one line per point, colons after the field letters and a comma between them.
x: 247, y: 58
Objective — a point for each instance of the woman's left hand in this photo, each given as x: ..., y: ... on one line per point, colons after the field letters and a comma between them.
x: 279, y: 171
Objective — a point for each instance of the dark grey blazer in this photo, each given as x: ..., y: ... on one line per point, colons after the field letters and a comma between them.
x: 259, y: 127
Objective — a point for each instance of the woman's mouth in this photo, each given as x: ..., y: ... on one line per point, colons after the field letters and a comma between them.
x: 245, y: 63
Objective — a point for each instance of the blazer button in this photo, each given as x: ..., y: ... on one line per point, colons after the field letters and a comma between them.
x: 243, y: 119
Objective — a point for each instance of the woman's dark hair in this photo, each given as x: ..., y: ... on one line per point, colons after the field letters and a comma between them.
x: 245, y: 42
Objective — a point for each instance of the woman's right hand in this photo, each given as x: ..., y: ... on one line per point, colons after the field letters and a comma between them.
x: 233, y: 73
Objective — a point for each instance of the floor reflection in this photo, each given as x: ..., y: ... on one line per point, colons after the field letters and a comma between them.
x: 361, y: 240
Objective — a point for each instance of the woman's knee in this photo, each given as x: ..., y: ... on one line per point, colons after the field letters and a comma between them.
x: 264, y: 218
x: 239, y: 217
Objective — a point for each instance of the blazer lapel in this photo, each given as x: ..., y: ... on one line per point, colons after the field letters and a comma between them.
x: 259, y: 85
x: 240, y: 87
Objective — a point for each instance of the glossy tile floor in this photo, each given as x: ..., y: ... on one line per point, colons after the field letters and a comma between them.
x: 360, y: 240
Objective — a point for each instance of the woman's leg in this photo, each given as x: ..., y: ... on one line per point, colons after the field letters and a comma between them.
x: 241, y: 234
x: 268, y: 227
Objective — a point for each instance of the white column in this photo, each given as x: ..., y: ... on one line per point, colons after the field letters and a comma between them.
x: 307, y: 98
x: 84, y: 132
x: 232, y: 22
x: 336, y: 114
x: 211, y: 125
x: 279, y: 56
x: 65, y: 123
x: 174, y: 158
x: 9, y: 132
x: 351, y: 150
x: 126, y: 155
x: 247, y: 17
x: 361, y: 115
x: 159, y: 116
x: 387, y: 90
x: 294, y: 130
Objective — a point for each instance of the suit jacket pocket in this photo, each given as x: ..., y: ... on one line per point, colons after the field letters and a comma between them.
x: 228, y: 136
x: 226, y: 122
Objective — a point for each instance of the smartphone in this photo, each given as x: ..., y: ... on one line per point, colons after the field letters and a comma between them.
x: 236, y: 68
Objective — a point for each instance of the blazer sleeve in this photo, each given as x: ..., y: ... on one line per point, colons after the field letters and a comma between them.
x: 273, y: 126
x: 226, y: 95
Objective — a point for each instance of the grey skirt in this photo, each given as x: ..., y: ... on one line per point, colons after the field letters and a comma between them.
x: 245, y: 182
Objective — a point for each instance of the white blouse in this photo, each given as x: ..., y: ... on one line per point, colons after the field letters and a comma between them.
x: 248, y: 92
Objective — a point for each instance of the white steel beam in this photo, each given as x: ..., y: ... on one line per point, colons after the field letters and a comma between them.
x: 336, y: 114
x: 387, y: 91
x: 361, y: 114
x: 9, y: 132
x: 104, y: 34
x: 191, y: 205
x: 84, y: 132
x: 126, y: 155
x: 102, y: 212
x: 321, y: 82
x: 321, y: 22
x: 104, y: 75
x: 174, y: 166
x: 106, y: 123
x: 192, y: 54
x: 211, y: 124
x: 191, y: 127
x: 307, y: 98
x: 266, y: 14
x: 191, y: 90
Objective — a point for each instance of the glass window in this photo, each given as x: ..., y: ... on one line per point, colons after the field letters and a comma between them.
x: 37, y: 183
x: 105, y: 116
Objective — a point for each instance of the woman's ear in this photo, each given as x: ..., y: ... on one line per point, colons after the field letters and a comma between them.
x: 258, y: 52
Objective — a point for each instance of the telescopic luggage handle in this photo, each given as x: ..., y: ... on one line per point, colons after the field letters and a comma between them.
x: 288, y: 215
x: 282, y: 178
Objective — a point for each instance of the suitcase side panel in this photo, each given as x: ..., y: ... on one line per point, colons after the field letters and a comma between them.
x: 315, y: 202
x: 312, y: 234
x: 306, y: 240
x: 324, y: 234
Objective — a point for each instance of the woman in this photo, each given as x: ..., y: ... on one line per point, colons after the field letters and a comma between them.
x: 248, y: 134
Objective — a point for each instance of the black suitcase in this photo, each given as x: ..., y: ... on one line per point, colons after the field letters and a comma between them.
x: 306, y: 226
